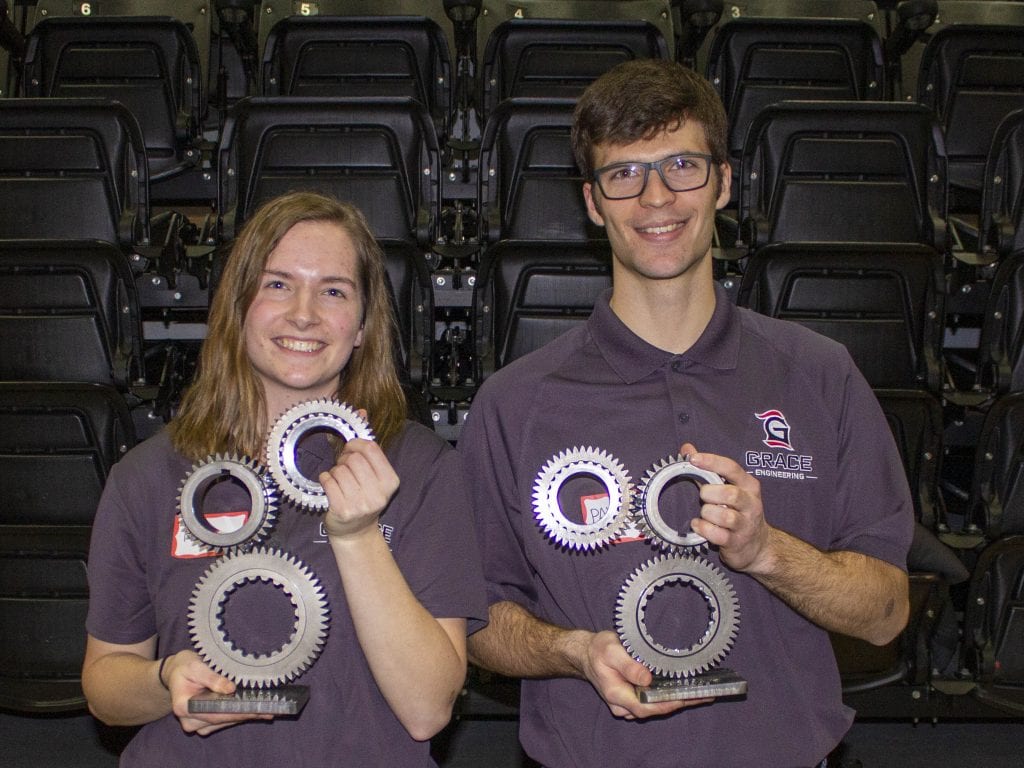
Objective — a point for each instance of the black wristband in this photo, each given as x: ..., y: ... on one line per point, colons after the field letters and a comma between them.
x: 160, y: 673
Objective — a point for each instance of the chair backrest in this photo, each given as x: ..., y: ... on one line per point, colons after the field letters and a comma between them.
x: 916, y: 420
x: 198, y: 17
x: 68, y: 312
x: 996, y: 502
x: 72, y: 168
x: 822, y: 10
x: 494, y: 13
x: 412, y: 300
x: 1002, y: 200
x: 1001, y: 344
x: 530, y: 187
x: 972, y: 76
x: 360, y: 56
x: 149, y: 64
x: 528, y: 293
x: 757, y: 61
x: 855, y: 171
x: 271, y: 12
x: 884, y: 302
x: 380, y: 154
x: 71, y: 433
x: 560, y: 57
x: 1005, y: 13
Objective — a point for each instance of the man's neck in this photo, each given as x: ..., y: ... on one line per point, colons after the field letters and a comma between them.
x: 668, y: 314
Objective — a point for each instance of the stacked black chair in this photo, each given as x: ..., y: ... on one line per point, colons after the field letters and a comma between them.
x: 379, y: 154
x: 972, y: 76
x: 844, y: 172
x: 755, y: 61
x: 149, y: 64
x: 73, y: 176
x: 559, y: 57
x: 360, y: 56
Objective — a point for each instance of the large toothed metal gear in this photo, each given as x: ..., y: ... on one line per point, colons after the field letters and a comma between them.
x: 290, y: 428
x: 262, y: 494
x: 234, y: 571
x: 582, y: 461
x: 723, y: 615
x: 647, y: 504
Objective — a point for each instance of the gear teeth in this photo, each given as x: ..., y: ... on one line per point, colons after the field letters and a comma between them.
x: 288, y: 430
x: 647, y: 511
x: 556, y: 471
x: 723, y: 623
x: 224, y: 656
x: 262, y: 492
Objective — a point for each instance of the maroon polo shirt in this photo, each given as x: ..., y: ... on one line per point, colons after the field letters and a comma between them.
x: 141, y: 577
x: 787, y: 404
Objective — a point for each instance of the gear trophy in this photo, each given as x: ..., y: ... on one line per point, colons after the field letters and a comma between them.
x: 680, y: 672
x: 266, y: 679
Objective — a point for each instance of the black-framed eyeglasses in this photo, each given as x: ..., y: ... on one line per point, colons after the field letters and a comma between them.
x: 680, y: 173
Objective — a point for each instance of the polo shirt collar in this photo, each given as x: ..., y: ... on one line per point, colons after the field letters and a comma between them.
x: 633, y: 359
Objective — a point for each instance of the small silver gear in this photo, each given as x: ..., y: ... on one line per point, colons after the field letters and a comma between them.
x: 723, y: 608
x: 582, y: 461
x: 234, y: 570
x: 647, y: 506
x: 257, y: 483
x: 290, y: 428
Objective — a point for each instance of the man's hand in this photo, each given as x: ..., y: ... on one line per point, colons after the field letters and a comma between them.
x: 615, y: 675
x: 732, y: 515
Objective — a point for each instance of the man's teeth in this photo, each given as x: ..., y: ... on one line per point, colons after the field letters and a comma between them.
x: 661, y: 230
x: 300, y: 346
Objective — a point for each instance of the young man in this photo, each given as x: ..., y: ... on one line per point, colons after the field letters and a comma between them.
x: 811, y: 527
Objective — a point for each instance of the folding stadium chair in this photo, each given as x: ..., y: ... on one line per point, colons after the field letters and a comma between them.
x: 494, y: 13
x: 360, y: 56
x: 68, y: 312
x: 72, y: 168
x: 996, y: 502
x: 379, y: 154
x: 48, y: 431
x: 150, y: 64
x: 529, y: 292
x: 994, y: 624
x: 530, y: 187
x: 916, y: 420
x: 883, y: 301
x: 1002, y: 203
x: 843, y: 171
x: 1000, y: 367
x: 560, y: 57
x: 972, y: 76
x: 756, y: 61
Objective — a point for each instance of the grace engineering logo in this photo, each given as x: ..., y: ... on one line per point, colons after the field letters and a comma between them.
x: 776, y: 429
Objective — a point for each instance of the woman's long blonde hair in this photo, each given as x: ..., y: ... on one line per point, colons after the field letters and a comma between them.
x: 224, y: 409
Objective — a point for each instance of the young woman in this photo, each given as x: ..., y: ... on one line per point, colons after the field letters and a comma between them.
x: 302, y: 313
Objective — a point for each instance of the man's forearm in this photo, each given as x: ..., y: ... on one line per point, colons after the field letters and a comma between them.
x: 516, y: 643
x: 842, y: 591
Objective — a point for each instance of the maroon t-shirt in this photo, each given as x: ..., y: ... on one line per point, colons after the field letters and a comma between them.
x: 142, y: 571
x: 789, y: 406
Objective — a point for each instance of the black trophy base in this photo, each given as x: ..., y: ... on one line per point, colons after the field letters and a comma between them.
x: 286, y: 700
x: 710, y: 685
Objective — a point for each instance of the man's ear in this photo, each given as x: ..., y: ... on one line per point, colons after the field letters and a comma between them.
x: 593, y: 211
x: 724, y: 184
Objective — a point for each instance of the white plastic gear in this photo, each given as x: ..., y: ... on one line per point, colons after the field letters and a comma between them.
x: 263, y: 499
x: 582, y: 461
x: 647, y: 505
x: 265, y: 670
x: 723, y: 609
x: 290, y: 428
